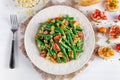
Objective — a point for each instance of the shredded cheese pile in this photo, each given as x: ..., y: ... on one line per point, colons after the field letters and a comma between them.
x: 28, y: 3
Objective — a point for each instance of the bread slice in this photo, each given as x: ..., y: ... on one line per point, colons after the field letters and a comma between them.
x: 88, y: 2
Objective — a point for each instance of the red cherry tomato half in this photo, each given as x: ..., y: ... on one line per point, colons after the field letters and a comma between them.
x: 118, y: 17
x: 117, y: 47
x: 56, y: 47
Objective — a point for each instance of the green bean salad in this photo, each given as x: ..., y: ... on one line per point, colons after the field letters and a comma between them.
x: 60, y: 39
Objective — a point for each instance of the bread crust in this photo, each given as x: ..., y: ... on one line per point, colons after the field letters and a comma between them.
x: 88, y: 2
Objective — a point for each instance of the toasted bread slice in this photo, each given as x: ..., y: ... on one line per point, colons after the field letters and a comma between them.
x: 88, y: 2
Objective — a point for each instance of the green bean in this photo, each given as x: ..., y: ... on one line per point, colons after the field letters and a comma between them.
x: 48, y: 27
x: 39, y: 41
x: 80, y: 50
x: 63, y: 50
x: 69, y: 55
x: 73, y: 28
x: 47, y: 35
x: 65, y: 40
x: 72, y: 45
x: 60, y: 30
x: 53, y: 51
x: 50, y: 42
x: 65, y: 46
x: 65, y: 60
x: 58, y: 59
x: 67, y: 30
x: 79, y: 29
x: 80, y: 43
x: 41, y: 24
x: 49, y: 51
x: 71, y: 18
x: 58, y: 21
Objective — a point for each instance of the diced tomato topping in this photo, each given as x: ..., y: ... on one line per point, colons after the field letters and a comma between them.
x: 56, y: 47
x: 112, y: 34
x: 99, y: 15
x: 57, y: 37
x: 97, y: 11
x: 80, y: 34
x: 102, y: 14
x: 42, y: 54
x: 119, y: 30
x: 66, y: 22
x: 46, y: 32
x: 62, y: 26
x: 94, y: 16
x: 57, y: 18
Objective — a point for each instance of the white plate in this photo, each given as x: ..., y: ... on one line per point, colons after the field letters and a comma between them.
x: 63, y: 68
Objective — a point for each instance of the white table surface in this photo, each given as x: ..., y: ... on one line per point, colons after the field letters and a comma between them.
x: 99, y: 69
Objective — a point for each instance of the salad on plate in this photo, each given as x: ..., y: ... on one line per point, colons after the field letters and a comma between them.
x: 60, y: 39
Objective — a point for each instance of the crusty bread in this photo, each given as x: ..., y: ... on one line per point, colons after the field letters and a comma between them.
x: 88, y: 2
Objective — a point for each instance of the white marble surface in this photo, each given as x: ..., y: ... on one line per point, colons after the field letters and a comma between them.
x: 99, y: 69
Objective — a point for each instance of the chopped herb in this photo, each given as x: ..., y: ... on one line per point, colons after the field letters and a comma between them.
x: 105, y: 9
x: 108, y: 41
x: 115, y: 21
x: 119, y: 59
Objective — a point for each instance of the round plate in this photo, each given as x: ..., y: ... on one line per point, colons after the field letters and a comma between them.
x: 46, y: 65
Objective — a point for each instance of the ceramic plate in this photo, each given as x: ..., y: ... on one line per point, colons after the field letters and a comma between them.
x: 46, y: 65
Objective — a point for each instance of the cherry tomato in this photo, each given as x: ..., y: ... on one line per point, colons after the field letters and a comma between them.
x: 118, y: 17
x: 42, y: 54
x: 57, y: 18
x: 56, y: 47
x: 117, y: 47
x: 102, y: 30
x: 80, y: 34
x: 57, y: 37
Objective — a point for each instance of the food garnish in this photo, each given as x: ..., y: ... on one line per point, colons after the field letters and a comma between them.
x: 60, y: 39
x: 108, y: 41
x: 114, y: 32
x: 112, y: 5
x: 106, y: 52
x: 98, y: 15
